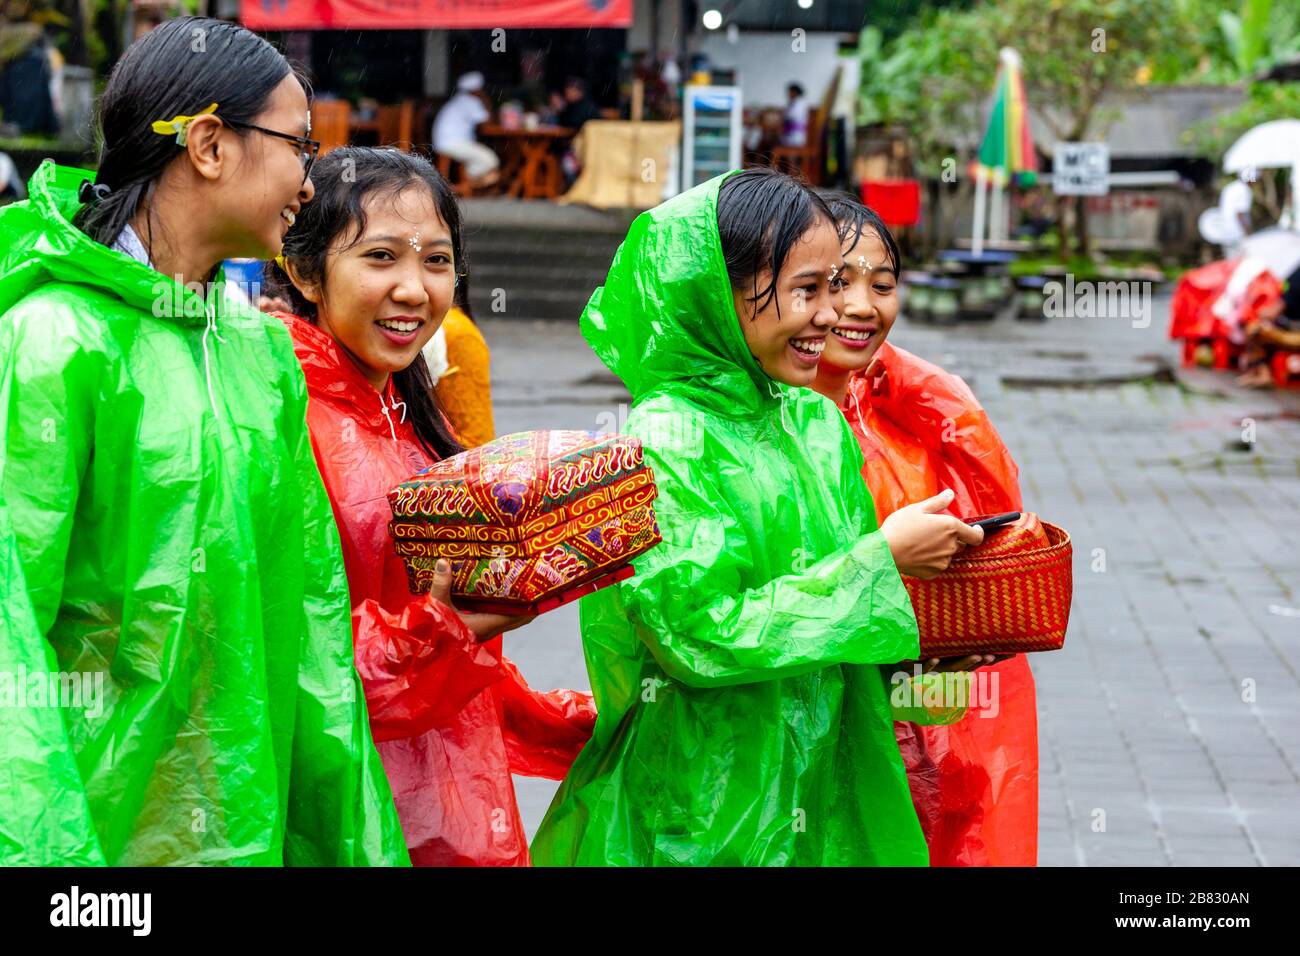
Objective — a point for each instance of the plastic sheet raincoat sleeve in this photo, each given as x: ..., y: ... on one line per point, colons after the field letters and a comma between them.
x: 45, y: 418
x: 706, y: 630
x: 420, y: 667
x: 340, y: 804
x: 543, y: 732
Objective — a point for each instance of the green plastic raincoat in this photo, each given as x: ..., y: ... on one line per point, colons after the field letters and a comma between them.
x: 743, y: 717
x: 168, y: 552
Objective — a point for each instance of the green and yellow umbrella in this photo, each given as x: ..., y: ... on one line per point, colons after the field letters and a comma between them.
x: 1007, y: 150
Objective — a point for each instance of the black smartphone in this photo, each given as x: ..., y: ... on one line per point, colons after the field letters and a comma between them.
x: 996, y: 522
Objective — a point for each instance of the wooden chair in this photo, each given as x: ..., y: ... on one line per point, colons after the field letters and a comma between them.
x: 330, y: 124
x: 422, y: 127
x: 804, y: 161
x: 809, y: 160
x: 460, y: 182
x: 396, y: 125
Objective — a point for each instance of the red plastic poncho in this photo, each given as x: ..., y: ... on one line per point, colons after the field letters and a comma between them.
x: 974, y: 783
x: 1191, y: 314
x: 452, y: 718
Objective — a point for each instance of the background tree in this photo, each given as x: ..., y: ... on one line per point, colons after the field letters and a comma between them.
x: 1080, y: 58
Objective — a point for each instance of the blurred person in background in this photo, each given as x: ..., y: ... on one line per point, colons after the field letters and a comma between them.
x: 455, y: 132
x: 795, y: 127
x: 30, y: 67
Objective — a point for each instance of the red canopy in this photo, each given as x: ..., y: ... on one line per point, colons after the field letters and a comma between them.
x: 431, y: 14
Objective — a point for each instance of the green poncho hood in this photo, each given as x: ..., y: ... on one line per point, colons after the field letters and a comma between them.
x: 176, y: 676
x: 743, y: 714
x: 59, y: 252
x: 654, y: 322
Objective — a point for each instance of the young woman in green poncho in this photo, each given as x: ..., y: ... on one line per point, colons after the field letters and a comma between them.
x: 167, y: 552
x: 743, y: 712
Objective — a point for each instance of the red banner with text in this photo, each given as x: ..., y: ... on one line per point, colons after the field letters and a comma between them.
x: 432, y: 14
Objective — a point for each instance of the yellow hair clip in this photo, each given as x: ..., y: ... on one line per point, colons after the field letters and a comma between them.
x: 179, y: 124
x: 279, y: 261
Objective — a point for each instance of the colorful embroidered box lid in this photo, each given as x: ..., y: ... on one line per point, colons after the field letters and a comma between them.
x: 526, y: 517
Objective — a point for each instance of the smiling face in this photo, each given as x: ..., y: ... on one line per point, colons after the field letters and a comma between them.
x: 787, y: 334
x: 868, y: 307
x: 264, y: 189
x: 386, y: 293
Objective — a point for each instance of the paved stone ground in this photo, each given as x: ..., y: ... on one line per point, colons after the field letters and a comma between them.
x: 1170, y: 723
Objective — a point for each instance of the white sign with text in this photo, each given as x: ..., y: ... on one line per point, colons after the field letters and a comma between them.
x: 1081, y: 169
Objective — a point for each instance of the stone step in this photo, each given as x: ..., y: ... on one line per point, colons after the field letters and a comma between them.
x: 491, y: 273
x: 529, y: 302
x: 538, y: 261
x: 507, y: 251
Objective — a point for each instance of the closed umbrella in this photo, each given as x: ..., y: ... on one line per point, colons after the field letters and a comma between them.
x: 1007, y: 148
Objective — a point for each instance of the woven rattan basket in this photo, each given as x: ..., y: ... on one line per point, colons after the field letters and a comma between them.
x: 1009, y: 596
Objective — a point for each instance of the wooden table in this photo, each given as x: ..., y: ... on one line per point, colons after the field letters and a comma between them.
x: 530, y: 169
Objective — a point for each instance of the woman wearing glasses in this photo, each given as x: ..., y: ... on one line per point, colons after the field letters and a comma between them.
x: 176, y: 617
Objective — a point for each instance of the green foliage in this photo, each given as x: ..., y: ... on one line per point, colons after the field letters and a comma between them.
x: 1229, y: 41
x: 1254, y: 33
x: 1265, y: 102
x: 1203, y: 55
x: 894, y: 17
x: 1077, y: 51
x: 1076, y: 55
x: 932, y: 77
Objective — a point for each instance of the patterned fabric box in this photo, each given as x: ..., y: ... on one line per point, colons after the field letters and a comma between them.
x: 529, y: 520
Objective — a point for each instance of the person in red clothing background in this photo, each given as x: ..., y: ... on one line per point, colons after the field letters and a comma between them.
x: 974, y: 783
x: 370, y: 269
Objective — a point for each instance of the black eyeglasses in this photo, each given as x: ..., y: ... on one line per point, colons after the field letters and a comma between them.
x: 307, y: 148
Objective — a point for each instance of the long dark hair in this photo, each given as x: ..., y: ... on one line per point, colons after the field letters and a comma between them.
x: 761, y: 215
x: 461, y: 299
x: 854, y: 218
x: 344, y: 179
x: 179, y: 67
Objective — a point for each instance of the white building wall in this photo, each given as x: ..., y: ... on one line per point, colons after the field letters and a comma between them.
x: 764, y: 62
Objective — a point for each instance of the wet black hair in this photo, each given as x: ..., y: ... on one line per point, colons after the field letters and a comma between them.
x: 761, y: 215
x: 178, y: 68
x: 461, y: 299
x: 345, y: 178
x: 853, y: 218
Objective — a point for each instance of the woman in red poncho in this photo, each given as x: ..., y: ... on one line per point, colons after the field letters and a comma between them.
x: 370, y: 268
x: 975, y: 782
